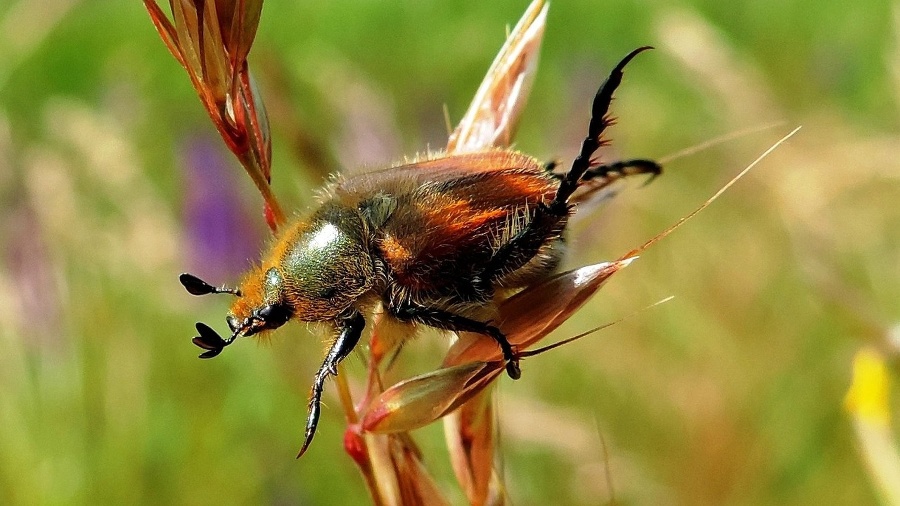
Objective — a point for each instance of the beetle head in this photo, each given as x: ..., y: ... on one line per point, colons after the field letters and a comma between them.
x: 262, y: 305
x: 259, y: 306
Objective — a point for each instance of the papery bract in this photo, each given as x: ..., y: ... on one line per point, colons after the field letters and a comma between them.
x: 469, y: 432
x: 418, y: 401
x: 494, y: 113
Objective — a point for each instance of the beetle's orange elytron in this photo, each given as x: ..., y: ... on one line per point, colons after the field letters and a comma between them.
x: 430, y: 241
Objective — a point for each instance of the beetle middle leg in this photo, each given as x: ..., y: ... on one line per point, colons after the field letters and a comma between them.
x: 446, y: 320
x: 351, y: 329
x: 602, y: 176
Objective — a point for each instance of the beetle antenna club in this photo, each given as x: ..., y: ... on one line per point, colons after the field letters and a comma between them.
x: 211, y: 341
x: 196, y: 286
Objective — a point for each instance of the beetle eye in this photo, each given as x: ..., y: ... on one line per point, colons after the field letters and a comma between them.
x: 275, y: 315
x: 233, y: 323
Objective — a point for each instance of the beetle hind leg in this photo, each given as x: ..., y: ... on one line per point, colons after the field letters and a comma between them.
x: 592, y: 142
x: 547, y: 221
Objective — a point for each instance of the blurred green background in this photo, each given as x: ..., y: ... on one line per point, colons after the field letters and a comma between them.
x: 113, y: 181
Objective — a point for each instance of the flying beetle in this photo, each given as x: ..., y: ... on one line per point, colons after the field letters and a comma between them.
x: 431, y: 241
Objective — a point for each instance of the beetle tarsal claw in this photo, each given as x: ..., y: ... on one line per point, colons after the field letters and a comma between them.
x: 312, y: 420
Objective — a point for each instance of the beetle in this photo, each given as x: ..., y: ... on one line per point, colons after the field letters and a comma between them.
x: 431, y: 241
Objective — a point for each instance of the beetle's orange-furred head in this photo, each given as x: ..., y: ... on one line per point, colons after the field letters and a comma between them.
x: 262, y: 304
x: 314, y: 272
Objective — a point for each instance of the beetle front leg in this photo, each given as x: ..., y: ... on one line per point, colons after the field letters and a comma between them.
x: 351, y: 329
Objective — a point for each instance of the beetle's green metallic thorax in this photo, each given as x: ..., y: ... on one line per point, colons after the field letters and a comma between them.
x: 325, y: 263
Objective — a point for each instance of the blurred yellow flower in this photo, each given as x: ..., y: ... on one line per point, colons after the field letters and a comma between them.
x: 868, y: 396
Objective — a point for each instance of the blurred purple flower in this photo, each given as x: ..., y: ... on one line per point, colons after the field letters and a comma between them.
x: 221, y: 234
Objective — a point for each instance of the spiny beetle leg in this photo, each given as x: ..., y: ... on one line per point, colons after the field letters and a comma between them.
x: 592, y: 142
x: 446, y: 320
x: 603, y: 175
x: 352, y: 326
